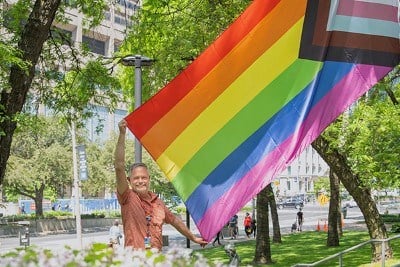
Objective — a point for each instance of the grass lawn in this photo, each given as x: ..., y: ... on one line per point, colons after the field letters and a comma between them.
x: 307, y: 247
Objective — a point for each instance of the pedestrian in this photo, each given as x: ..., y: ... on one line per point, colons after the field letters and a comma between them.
x: 115, y: 234
x: 247, y: 225
x: 217, y: 238
x: 23, y: 208
x: 232, y: 227
x: 143, y: 213
x: 254, y: 227
x: 300, y: 220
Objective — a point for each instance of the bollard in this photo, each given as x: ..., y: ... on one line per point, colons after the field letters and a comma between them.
x: 233, y: 256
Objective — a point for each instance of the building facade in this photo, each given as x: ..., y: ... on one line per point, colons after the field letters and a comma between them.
x: 299, y: 177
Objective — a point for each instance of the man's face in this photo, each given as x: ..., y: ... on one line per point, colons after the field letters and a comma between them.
x: 140, y: 180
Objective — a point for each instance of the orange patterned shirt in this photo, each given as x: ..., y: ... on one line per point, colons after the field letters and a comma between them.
x: 134, y: 211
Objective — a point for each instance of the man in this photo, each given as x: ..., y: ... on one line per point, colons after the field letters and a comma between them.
x: 247, y: 224
x: 300, y: 220
x: 143, y: 213
x: 115, y: 234
x: 233, y: 227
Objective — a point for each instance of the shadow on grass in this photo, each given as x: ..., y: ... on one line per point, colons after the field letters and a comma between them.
x: 305, y: 247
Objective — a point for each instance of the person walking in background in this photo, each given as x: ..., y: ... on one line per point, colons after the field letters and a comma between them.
x: 247, y: 224
x: 233, y: 226
x: 300, y: 220
x: 143, y: 213
x: 217, y: 238
x: 23, y: 208
x: 115, y: 234
x: 254, y: 227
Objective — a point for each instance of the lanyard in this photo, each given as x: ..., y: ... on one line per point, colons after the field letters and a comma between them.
x: 148, y: 214
x: 148, y: 219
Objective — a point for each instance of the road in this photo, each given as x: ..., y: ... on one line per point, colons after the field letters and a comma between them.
x: 312, y: 215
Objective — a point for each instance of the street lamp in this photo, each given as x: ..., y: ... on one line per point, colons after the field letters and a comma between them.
x: 138, y: 62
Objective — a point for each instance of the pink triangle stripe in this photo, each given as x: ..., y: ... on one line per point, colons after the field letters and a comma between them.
x: 367, y: 10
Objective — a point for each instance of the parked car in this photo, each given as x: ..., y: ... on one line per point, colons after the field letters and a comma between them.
x: 290, y: 203
x: 350, y: 204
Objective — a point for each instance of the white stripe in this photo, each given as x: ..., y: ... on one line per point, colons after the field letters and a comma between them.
x: 366, y: 26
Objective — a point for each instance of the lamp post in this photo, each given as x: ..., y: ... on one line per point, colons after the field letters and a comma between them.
x: 137, y: 61
x: 77, y: 209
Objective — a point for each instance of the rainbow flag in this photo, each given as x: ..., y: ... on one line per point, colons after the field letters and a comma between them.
x: 262, y: 92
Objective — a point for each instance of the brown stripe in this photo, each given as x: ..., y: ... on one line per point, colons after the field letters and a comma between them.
x: 348, y: 39
x: 318, y: 44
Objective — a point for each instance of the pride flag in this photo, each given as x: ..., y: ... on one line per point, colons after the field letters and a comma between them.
x: 263, y: 91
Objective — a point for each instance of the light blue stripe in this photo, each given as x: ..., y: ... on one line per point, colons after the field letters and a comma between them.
x: 365, y: 26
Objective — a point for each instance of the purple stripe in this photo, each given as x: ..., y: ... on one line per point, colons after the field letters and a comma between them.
x: 331, y: 106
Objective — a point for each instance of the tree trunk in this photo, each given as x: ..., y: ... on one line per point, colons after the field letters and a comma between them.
x: 362, y: 195
x: 35, y: 33
x: 276, y: 237
x: 39, y: 200
x: 263, y: 248
x: 333, y: 234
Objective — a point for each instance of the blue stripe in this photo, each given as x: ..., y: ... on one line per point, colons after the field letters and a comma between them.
x: 265, y: 139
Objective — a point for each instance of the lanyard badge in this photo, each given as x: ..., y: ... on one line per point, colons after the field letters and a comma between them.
x: 147, y: 238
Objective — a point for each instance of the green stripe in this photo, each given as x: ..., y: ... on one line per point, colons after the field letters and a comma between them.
x: 295, y: 78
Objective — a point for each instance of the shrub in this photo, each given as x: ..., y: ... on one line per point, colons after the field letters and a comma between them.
x: 389, y: 218
x: 101, y: 255
x: 396, y: 228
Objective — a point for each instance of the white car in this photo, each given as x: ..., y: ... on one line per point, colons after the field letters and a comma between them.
x: 350, y: 204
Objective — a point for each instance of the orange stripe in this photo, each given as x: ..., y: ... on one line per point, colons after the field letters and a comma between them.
x: 160, y: 104
x: 264, y: 35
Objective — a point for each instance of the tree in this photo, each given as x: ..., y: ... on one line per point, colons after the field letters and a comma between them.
x: 41, y: 161
x: 33, y: 37
x: 276, y: 237
x: 365, y: 151
x: 334, y: 214
x: 263, y: 246
x: 361, y: 194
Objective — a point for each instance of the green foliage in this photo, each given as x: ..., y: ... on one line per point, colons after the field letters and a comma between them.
x: 40, y: 163
x: 396, y: 228
x: 291, y: 250
x: 390, y: 218
x: 99, y: 254
x: 78, y: 94
x: 92, y: 9
x: 369, y: 134
x: 94, y: 215
x: 321, y: 185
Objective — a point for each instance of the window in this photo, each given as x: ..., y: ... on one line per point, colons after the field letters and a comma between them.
x: 94, y: 45
x: 97, y: 126
x: 62, y: 36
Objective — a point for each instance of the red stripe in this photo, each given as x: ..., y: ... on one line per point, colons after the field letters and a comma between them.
x: 367, y: 10
x: 139, y: 121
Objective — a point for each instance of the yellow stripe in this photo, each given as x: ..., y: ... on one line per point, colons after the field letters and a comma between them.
x: 261, y: 73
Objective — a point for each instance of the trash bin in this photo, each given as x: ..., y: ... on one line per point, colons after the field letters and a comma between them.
x: 24, y: 235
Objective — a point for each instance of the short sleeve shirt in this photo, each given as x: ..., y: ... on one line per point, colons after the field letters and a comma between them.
x: 134, y: 211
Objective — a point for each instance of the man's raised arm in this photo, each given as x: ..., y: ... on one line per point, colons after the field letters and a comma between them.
x: 119, y: 159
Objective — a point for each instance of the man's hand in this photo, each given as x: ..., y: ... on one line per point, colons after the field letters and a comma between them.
x: 122, y: 126
x: 200, y: 241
